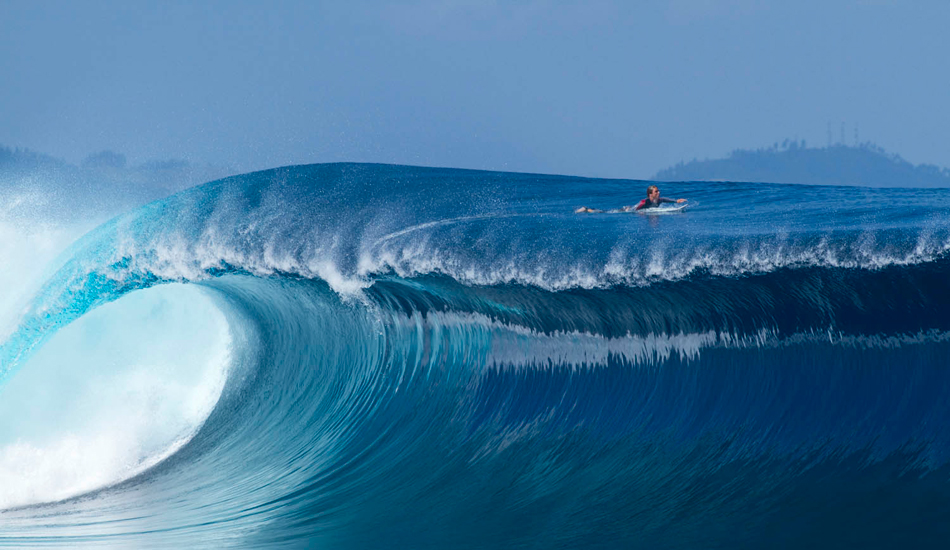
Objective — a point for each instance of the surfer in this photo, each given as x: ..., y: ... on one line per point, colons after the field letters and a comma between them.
x: 653, y: 199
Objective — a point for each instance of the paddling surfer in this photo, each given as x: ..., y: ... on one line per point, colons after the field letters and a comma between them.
x: 652, y: 201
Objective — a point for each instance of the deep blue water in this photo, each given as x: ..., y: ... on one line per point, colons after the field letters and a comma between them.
x: 440, y: 358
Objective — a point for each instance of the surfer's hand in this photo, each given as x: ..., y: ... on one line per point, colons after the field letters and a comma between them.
x: 680, y: 200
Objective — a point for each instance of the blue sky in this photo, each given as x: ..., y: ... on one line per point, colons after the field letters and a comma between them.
x: 596, y: 88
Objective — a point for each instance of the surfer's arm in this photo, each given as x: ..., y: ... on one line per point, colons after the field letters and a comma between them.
x: 641, y: 205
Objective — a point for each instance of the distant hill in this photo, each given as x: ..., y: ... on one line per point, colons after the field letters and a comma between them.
x: 24, y: 160
x: 35, y: 184
x: 103, y: 177
x: 792, y: 162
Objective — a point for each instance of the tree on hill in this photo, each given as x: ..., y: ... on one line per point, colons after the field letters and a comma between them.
x: 104, y: 159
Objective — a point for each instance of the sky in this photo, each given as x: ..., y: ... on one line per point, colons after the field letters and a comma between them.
x: 596, y: 88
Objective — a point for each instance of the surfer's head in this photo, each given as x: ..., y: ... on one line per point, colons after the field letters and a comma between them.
x: 653, y: 192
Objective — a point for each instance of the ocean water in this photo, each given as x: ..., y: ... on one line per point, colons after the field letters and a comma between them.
x: 374, y: 356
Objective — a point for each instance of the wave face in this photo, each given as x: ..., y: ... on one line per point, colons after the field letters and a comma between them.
x: 371, y: 356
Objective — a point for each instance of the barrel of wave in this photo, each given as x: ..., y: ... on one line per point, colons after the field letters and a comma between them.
x: 112, y: 394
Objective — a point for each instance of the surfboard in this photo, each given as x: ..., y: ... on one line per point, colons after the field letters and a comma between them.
x: 660, y: 210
